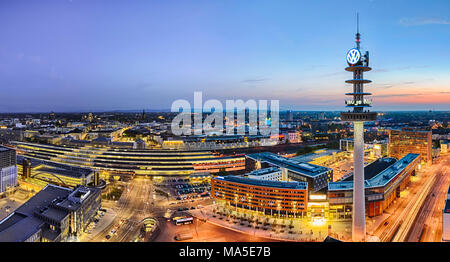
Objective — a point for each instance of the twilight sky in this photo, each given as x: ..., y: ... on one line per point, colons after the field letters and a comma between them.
x: 89, y: 55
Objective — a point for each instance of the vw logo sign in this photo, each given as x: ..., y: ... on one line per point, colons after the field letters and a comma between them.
x: 353, y: 56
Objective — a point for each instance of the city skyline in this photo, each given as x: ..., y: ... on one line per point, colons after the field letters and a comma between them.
x: 106, y: 56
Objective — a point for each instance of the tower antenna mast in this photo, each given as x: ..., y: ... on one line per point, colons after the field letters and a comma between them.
x: 357, y: 31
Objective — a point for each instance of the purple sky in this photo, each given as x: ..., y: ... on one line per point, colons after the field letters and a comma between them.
x: 93, y: 55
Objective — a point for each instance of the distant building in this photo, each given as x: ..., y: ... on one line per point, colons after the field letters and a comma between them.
x: 9, y: 134
x: 8, y: 169
x: 378, y: 148
x: 289, y: 116
x: 403, y: 142
x: 139, y: 144
x: 52, y: 215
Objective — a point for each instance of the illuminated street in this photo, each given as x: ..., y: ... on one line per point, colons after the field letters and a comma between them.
x: 428, y: 226
x: 389, y: 224
x: 131, y: 209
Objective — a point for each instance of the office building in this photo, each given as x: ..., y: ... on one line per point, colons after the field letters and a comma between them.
x: 272, y: 198
x: 316, y: 176
x: 8, y: 169
x: 402, y: 142
x: 52, y: 215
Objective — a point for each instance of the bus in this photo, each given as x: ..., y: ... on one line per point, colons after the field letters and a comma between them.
x: 183, y: 220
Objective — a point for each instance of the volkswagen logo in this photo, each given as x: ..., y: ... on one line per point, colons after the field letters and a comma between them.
x: 353, y: 56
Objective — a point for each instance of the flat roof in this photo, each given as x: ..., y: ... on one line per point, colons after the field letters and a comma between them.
x: 265, y: 183
x: 23, y: 222
x: 264, y: 171
x: 380, y: 179
x: 374, y: 168
x: 312, y: 156
x: 292, y: 165
x: 55, y: 168
x: 59, y: 171
x: 4, y: 148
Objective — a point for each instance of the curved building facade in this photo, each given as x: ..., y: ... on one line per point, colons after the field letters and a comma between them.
x: 276, y: 198
x: 129, y: 161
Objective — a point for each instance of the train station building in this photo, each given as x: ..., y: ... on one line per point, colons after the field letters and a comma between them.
x: 385, y: 178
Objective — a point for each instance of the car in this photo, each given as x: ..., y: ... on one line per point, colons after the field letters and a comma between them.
x: 192, y: 207
x: 107, y: 236
x: 386, y: 223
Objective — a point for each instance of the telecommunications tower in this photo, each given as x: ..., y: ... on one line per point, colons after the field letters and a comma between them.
x: 358, y: 113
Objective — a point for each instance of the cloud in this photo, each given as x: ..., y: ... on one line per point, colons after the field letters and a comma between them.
x: 395, y: 95
x: 423, y: 21
x: 384, y: 70
x: 255, y: 80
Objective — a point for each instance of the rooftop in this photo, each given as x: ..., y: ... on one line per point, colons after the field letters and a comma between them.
x: 312, y: 156
x: 380, y: 179
x: 23, y: 222
x: 50, y: 205
x: 264, y: 171
x: 264, y: 183
x: 55, y: 168
x: 374, y: 168
x: 292, y: 165
x: 4, y: 149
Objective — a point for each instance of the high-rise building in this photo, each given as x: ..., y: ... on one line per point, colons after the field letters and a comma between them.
x: 8, y: 168
x: 289, y: 116
x: 402, y: 142
x: 358, y: 64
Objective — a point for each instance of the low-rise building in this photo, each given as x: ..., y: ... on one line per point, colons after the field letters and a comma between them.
x: 384, y: 178
x: 52, y: 215
x: 56, y: 173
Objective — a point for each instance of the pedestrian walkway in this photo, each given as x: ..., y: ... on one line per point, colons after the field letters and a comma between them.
x: 273, y: 228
